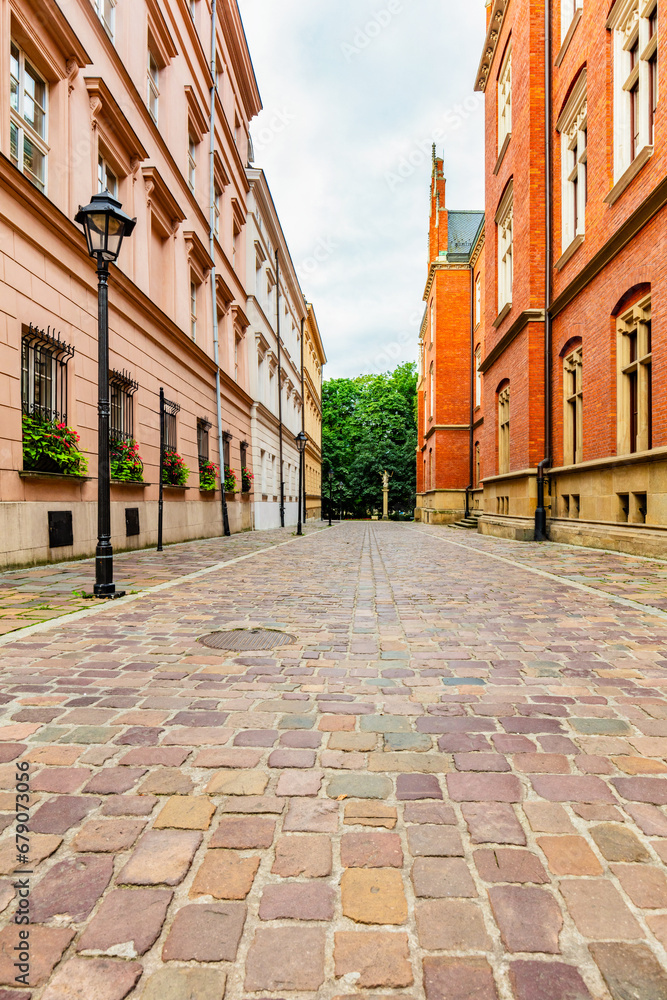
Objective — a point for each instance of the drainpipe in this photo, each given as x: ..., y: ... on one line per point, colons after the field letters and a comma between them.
x: 280, y: 396
x: 303, y: 425
x: 471, y: 475
x: 211, y: 251
x: 540, y: 510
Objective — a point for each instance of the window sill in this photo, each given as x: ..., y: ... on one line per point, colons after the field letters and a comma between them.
x: 569, y: 252
x: 170, y: 486
x: 501, y: 154
x: 63, y: 476
x: 502, y: 315
x: 125, y: 482
x: 642, y: 157
x: 568, y: 37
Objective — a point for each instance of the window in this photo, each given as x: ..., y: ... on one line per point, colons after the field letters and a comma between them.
x: 106, y: 178
x: 106, y: 11
x: 431, y: 391
x: 28, y: 118
x: 432, y: 321
x: 504, y: 430
x: 203, y: 427
x: 635, y: 395
x: 478, y: 465
x: 635, y: 45
x: 567, y: 11
x: 193, y: 310
x: 236, y: 359
x: 153, y: 85
x: 478, y: 376
x: 505, y: 101
x: 244, y: 455
x: 505, y: 223
x: 227, y: 448
x: 216, y: 211
x: 121, y: 391
x: 573, y: 127
x: 478, y: 300
x: 170, y: 440
x: 44, y: 360
x: 573, y: 403
x: 192, y: 162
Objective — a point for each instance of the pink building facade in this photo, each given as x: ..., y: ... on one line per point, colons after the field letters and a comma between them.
x: 99, y: 94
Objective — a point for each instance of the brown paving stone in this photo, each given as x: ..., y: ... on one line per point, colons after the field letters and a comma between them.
x: 617, y: 843
x: 114, y: 780
x: 42, y: 845
x: 417, y: 786
x: 244, y: 833
x: 309, y: 856
x: 369, y: 813
x: 541, y: 763
x: 127, y: 923
x: 429, y: 812
x: 640, y: 765
x: 373, y: 896
x: 46, y: 946
x: 480, y: 762
x: 351, y: 742
x: 509, y: 865
x: 196, y: 736
x: 493, y: 823
x: 645, y: 885
x: 378, y: 958
x: 572, y: 788
x: 162, y: 857
x: 112, y: 835
x: 185, y: 812
x: 170, y: 983
x: 297, y: 901
x: 630, y: 971
x: 434, y: 841
x: 484, y: 787
x: 639, y: 789
x: 60, y: 779
x: 286, y: 958
x: 61, y: 813
x: 222, y: 757
x: 299, y: 783
x: 547, y: 981
x: 528, y: 918
x: 335, y: 724
x: 150, y: 757
x: 225, y: 875
x: 238, y: 783
x: 451, y: 925
x: 658, y: 924
x: 598, y: 813
x: 648, y: 818
x: 569, y: 856
x: 318, y: 816
x: 71, y: 888
x: 438, y: 878
x: 371, y: 850
x: 129, y: 805
x: 458, y: 979
x: 253, y: 804
x: 166, y: 781
x: 599, y: 911
x: 85, y: 978
x: 56, y: 755
x: 205, y: 932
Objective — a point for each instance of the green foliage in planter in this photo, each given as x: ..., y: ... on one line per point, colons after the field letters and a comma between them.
x: 246, y: 480
x: 207, y: 475
x: 174, y: 470
x: 231, y: 484
x: 125, y: 462
x: 51, y: 447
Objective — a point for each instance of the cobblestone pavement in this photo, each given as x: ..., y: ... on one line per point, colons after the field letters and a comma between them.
x: 450, y: 786
x: 41, y: 593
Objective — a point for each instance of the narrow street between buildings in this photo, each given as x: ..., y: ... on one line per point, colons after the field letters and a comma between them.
x: 451, y: 783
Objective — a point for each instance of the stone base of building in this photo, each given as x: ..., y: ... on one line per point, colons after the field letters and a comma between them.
x: 630, y: 538
x: 518, y: 529
x: 440, y: 506
x: 24, y: 526
x: 314, y: 513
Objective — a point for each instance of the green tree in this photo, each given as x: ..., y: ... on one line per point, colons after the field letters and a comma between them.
x: 369, y: 425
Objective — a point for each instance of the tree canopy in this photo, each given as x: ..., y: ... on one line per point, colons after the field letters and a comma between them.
x: 369, y: 425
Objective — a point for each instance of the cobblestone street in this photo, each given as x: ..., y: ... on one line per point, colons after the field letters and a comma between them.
x: 451, y: 786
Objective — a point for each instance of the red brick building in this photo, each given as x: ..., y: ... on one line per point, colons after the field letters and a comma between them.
x: 573, y: 443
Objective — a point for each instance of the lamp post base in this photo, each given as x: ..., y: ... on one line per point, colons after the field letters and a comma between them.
x: 107, y: 591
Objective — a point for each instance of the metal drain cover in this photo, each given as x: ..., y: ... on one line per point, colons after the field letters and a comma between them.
x: 247, y: 638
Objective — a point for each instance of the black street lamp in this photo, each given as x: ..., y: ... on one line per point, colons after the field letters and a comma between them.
x: 105, y: 225
x: 301, y: 442
x: 330, y: 494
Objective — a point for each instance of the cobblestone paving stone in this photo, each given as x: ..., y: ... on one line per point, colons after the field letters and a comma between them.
x: 42, y: 593
x: 453, y: 784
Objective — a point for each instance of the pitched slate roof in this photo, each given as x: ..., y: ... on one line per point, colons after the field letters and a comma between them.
x: 463, y: 228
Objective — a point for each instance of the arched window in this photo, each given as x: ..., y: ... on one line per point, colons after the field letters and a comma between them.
x: 504, y: 428
x: 573, y: 403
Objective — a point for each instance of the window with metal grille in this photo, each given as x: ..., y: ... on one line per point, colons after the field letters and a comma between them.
x: 227, y: 447
x: 27, y: 118
x: 44, y: 359
x: 203, y: 427
x: 122, y: 388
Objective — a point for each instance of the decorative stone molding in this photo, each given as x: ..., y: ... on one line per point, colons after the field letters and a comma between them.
x: 198, y: 256
x: 113, y: 128
x: 166, y: 213
x: 491, y: 43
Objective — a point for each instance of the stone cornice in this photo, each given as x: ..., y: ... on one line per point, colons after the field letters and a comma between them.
x: 498, y: 12
x: 519, y: 324
x: 441, y: 265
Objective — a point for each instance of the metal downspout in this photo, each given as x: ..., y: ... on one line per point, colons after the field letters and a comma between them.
x: 211, y: 251
x: 280, y: 395
x: 471, y: 474
x: 540, y: 510
x: 302, y: 498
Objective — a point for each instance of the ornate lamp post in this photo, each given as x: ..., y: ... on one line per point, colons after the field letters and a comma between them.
x: 105, y: 225
x: 301, y: 442
x: 330, y: 494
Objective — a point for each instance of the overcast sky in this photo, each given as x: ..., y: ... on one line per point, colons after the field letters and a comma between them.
x: 354, y: 93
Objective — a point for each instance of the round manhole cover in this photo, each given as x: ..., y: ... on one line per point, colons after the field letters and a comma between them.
x: 247, y: 638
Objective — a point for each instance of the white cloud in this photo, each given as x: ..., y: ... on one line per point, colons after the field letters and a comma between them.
x: 354, y: 92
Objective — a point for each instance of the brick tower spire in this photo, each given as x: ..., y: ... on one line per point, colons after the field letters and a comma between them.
x: 437, y: 239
